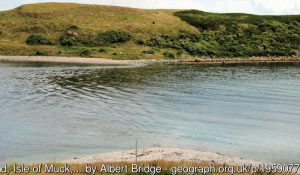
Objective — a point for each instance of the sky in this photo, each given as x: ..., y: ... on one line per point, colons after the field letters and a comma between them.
x: 262, y: 7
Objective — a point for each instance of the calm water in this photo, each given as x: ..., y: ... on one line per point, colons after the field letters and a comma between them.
x: 56, y: 112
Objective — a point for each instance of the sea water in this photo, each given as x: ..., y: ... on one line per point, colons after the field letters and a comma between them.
x: 54, y: 112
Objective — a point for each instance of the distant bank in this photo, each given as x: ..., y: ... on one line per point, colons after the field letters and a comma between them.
x: 107, y: 61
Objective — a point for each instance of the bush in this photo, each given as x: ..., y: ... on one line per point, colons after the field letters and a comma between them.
x: 179, y: 52
x: 87, y: 39
x: 114, y: 36
x: 159, y: 41
x: 85, y: 52
x: 150, y: 51
x: 74, y: 38
x: 39, y: 53
x: 183, y: 34
x: 141, y: 42
x: 102, y: 50
x: 68, y: 41
x: 73, y: 27
x: 192, y: 49
x: 36, y: 39
x: 169, y: 54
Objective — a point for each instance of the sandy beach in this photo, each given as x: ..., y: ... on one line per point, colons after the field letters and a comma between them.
x: 159, y: 153
x: 77, y: 60
x: 81, y: 60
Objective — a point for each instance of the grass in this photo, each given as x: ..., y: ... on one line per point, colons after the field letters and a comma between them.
x: 212, y: 31
x: 51, y: 20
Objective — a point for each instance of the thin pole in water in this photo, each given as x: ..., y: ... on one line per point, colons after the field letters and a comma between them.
x: 136, y: 151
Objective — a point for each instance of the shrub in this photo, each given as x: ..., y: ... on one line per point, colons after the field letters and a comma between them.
x: 251, y: 30
x: 36, y: 39
x: 114, y: 36
x: 183, y: 34
x: 271, y: 26
x: 179, y: 52
x: 150, y: 51
x: 169, y: 54
x: 158, y: 41
x: 86, y: 39
x: 141, y: 42
x: 68, y: 41
x: 192, y: 49
x: 73, y: 37
x: 102, y: 50
x: 73, y: 27
x: 39, y: 53
x: 85, y: 52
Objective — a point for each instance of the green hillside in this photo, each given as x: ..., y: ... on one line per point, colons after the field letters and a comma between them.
x: 65, y: 29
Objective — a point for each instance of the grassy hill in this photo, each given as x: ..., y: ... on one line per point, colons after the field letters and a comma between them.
x: 66, y: 29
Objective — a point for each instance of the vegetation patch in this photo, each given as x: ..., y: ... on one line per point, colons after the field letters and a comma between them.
x: 150, y: 51
x: 169, y: 54
x: 51, y: 27
x: 36, y: 39
x: 102, y: 50
x: 76, y: 37
x: 39, y: 53
x: 86, y: 53
x: 236, y: 40
x: 239, y: 35
x: 114, y: 36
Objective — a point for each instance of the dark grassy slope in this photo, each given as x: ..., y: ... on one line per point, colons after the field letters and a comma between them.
x: 66, y: 29
x: 198, y: 18
x: 244, y: 34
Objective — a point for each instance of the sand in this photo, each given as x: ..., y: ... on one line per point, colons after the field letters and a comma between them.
x: 159, y: 153
x: 78, y: 60
x: 202, y: 60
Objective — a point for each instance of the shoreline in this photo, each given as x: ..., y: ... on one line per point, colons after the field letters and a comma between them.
x: 71, y: 60
x: 109, y: 61
x: 160, y: 153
